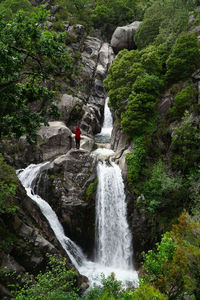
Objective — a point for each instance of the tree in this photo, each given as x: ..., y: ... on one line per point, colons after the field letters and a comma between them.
x: 163, y: 21
x: 107, y: 15
x: 29, y: 56
x: 122, y: 74
x: 185, y: 145
x: 57, y: 282
x: 174, y: 267
x: 142, y: 103
x: 10, y: 7
x: 8, y: 188
x: 184, y: 58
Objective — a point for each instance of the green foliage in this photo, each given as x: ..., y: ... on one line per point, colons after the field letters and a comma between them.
x: 122, y: 73
x: 141, y: 106
x: 163, y: 21
x: 8, y: 188
x: 148, y: 292
x: 174, y: 267
x: 183, y: 101
x: 29, y: 56
x: 107, y: 15
x: 185, y: 145
x: 149, y: 29
x: 91, y: 189
x: 158, y: 190
x: 135, y: 160
x: 10, y: 7
x: 57, y: 282
x: 184, y: 58
x: 152, y: 60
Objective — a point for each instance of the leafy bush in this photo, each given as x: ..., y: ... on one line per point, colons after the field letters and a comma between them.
x: 174, y: 267
x: 10, y: 7
x: 8, y: 188
x: 56, y: 282
x: 182, y: 101
x: 135, y: 160
x: 157, y: 190
x: 184, y: 58
x: 148, y: 31
x: 185, y: 145
x: 142, y: 103
x: 163, y: 21
x: 151, y: 60
x: 122, y: 73
x: 148, y: 292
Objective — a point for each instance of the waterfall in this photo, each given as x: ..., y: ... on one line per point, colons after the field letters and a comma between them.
x: 113, y: 251
x: 111, y: 224
x: 27, y: 177
x: 113, y: 241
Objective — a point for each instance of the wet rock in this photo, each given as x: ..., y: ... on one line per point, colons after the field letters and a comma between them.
x: 68, y: 178
x: 121, y: 146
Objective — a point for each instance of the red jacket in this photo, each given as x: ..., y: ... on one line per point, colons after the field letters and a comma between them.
x: 77, y: 133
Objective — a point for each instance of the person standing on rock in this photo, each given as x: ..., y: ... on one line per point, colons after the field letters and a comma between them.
x: 77, y: 137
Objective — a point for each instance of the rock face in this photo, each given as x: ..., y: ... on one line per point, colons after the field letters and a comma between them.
x: 53, y: 140
x: 122, y: 37
x: 66, y: 182
x: 121, y: 146
x: 33, y: 239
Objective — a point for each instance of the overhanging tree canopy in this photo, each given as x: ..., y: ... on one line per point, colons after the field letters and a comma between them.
x: 29, y: 56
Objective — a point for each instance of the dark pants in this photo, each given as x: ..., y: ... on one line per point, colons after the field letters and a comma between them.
x: 77, y: 144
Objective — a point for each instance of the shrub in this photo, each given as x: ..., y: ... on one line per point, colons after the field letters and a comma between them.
x: 184, y: 58
x: 135, y: 160
x: 141, y: 107
x: 122, y: 74
x: 174, y: 267
x: 148, y: 292
x: 57, y: 282
x: 157, y: 190
x: 8, y: 187
x: 185, y: 145
x: 182, y: 101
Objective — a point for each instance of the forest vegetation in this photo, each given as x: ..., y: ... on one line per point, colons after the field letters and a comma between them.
x: 165, y: 164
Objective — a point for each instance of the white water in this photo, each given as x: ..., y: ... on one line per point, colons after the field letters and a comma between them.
x: 113, y: 253
x: 113, y: 249
x: 106, y: 130
x: 27, y: 178
x: 113, y: 237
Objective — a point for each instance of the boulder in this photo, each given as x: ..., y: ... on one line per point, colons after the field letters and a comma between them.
x: 66, y: 105
x: 53, y: 140
x: 67, y: 181
x: 91, y: 120
x: 122, y: 37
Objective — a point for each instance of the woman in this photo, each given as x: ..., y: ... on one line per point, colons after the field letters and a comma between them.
x: 77, y: 137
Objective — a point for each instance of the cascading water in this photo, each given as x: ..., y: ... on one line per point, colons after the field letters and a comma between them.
x: 111, y: 225
x: 27, y: 178
x: 113, y: 253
